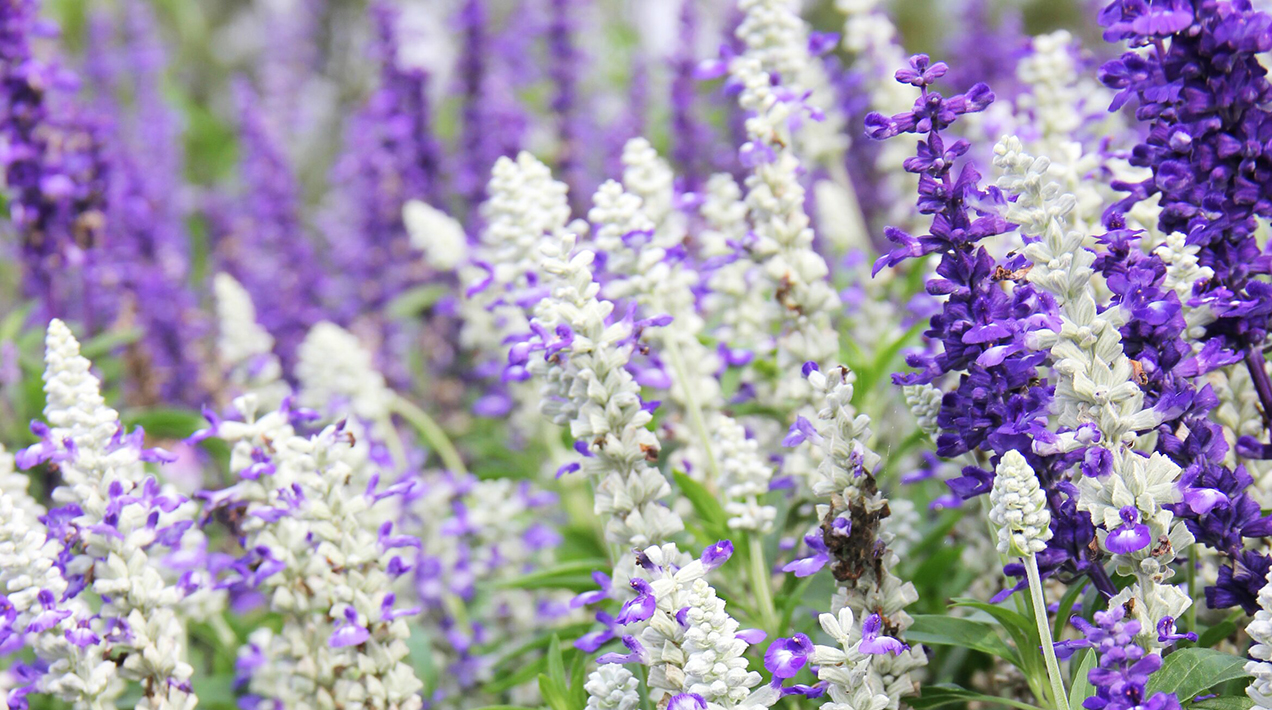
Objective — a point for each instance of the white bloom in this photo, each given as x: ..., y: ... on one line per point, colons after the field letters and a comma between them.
x: 612, y: 687
x: 337, y: 373
x: 1019, y: 507
x: 1260, y: 630
x: 435, y: 233
x: 244, y: 348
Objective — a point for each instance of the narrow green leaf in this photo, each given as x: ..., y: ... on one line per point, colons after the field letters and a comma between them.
x: 1224, y: 702
x: 1219, y: 631
x: 523, y: 674
x: 704, y: 504
x: 951, y: 631
x: 940, y: 694
x: 1065, y: 610
x: 1190, y: 671
x: 1082, y: 688
x: 575, y: 576
x: 1023, y: 632
x: 552, y: 694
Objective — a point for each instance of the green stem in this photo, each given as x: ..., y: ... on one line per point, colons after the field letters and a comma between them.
x: 672, y: 348
x: 432, y: 433
x: 1061, y: 700
x: 761, y: 580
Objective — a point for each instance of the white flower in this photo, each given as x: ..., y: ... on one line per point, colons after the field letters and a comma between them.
x: 1019, y: 507
x: 244, y: 348
x: 435, y: 233
x: 1260, y: 630
x: 337, y: 373
x: 612, y: 687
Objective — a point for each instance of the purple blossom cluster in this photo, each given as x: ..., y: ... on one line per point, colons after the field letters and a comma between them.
x: 670, y: 419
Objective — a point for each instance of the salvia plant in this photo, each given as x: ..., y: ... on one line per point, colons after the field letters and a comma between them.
x: 636, y: 355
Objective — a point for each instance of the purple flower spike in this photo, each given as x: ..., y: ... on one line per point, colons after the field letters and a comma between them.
x: 1130, y: 536
x: 687, y: 701
x: 873, y: 643
x: 717, y: 554
x: 640, y: 608
x: 785, y: 658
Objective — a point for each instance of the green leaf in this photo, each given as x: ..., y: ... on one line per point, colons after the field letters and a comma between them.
x: 1219, y: 631
x: 415, y: 301
x: 1023, y: 632
x: 705, y: 505
x: 1065, y: 609
x: 1224, y: 702
x: 506, y: 707
x: 523, y: 674
x: 103, y: 344
x: 575, y: 576
x: 951, y: 631
x: 940, y: 694
x: 1082, y: 688
x: 1190, y: 671
x: 165, y: 423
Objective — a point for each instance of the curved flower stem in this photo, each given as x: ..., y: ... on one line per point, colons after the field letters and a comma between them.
x: 761, y: 579
x: 1061, y: 699
x: 432, y: 433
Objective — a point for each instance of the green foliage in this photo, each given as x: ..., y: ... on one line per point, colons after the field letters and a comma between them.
x: 1189, y: 672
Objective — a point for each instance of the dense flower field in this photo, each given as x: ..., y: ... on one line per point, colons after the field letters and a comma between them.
x: 649, y: 355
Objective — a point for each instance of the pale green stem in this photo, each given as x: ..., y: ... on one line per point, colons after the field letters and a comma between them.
x: 672, y: 348
x: 432, y: 433
x: 1061, y: 699
x: 760, y: 580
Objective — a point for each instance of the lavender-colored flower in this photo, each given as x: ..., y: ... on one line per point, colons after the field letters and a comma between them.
x: 785, y: 658
x: 872, y: 640
x: 808, y: 566
x: 1206, y: 98
x: 1121, y: 677
x: 54, y: 168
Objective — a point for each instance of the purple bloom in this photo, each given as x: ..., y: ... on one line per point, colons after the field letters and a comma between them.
x: 717, y: 554
x: 811, y: 564
x: 1121, y: 677
x: 687, y: 701
x: 1130, y: 536
x: 636, y: 653
x: 642, y: 607
x: 349, y: 632
x: 873, y: 643
x: 786, y: 657
x: 586, y: 598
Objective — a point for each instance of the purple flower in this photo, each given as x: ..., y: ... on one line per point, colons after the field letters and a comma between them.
x: 786, y: 657
x: 873, y: 643
x: 687, y: 701
x: 811, y: 564
x: 587, y: 598
x: 349, y: 632
x: 642, y: 607
x: 717, y: 554
x: 636, y: 653
x: 1130, y: 536
x: 1122, y: 674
